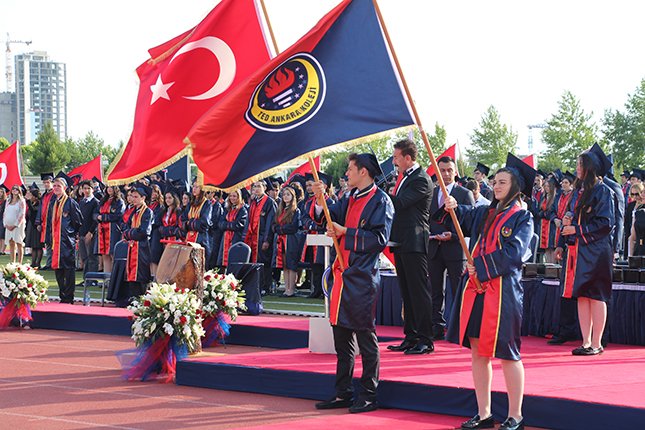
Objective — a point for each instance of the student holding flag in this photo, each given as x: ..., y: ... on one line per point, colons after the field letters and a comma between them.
x: 362, y: 224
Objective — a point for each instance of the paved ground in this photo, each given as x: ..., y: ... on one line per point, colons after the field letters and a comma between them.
x: 65, y: 380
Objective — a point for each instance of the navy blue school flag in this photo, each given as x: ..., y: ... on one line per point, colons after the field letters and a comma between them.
x: 336, y: 84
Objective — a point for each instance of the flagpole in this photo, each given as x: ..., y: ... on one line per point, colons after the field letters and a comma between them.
x: 453, y: 214
x: 323, y: 203
x: 314, y: 170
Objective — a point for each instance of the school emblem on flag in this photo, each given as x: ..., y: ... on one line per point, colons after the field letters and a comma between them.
x: 289, y: 96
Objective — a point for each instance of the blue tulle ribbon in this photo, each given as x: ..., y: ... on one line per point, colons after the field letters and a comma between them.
x: 216, y: 328
x: 153, y: 358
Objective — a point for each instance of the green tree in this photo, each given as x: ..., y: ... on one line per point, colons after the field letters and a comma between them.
x: 569, y: 132
x: 89, y: 147
x: 550, y: 162
x: 625, y: 131
x: 4, y: 144
x: 491, y: 141
x: 47, y: 153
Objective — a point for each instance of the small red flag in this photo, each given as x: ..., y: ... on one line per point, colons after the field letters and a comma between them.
x: 183, y: 79
x: 89, y: 170
x: 305, y: 168
x: 530, y: 160
x: 10, y: 166
x: 450, y: 152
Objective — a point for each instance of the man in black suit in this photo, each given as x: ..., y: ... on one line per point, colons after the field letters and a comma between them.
x: 411, y: 198
x: 88, y: 205
x: 444, y: 250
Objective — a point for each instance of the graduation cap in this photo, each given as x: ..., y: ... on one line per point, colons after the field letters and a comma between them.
x: 142, y: 189
x: 66, y: 179
x: 610, y: 173
x: 482, y: 168
x: 602, y: 163
x: 568, y: 176
x: 625, y: 173
x: 98, y: 181
x: 541, y: 173
x: 23, y: 189
x: 345, y: 178
x: 491, y: 177
x: 555, y: 182
x: 557, y: 173
x: 170, y: 188
x: 523, y: 172
x: 246, y: 195
x: 299, y: 179
x: 46, y: 176
x: 4, y: 187
x: 34, y: 186
x: 370, y: 162
x: 163, y: 174
x: 76, y: 179
x: 269, y: 182
x: 324, y: 178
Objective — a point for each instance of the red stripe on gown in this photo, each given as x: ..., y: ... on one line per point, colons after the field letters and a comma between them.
x: 570, y: 270
x: 281, y: 245
x: 105, y: 229
x: 493, y: 288
x: 195, y: 212
x: 43, y: 215
x: 228, y: 236
x: 253, y: 233
x: 352, y: 218
x: 133, y: 248
x: 57, y: 224
x: 545, y: 229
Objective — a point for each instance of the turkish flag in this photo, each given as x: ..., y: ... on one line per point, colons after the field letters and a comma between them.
x: 530, y: 160
x: 305, y: 168
x: 450, y: 152
x: 184, y: 78
x: 10, y: 166
x: 89, y: 170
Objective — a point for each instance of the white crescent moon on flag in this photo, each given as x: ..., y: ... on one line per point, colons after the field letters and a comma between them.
x: 4, y: 173
x: 224, y: 55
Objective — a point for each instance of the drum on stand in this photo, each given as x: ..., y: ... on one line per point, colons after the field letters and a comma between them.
x: 183, y: 264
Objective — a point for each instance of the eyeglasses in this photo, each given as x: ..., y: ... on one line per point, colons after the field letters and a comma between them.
x: 634, y: 194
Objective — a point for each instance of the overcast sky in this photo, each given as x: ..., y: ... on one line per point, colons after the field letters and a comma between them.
x: 458, y: 57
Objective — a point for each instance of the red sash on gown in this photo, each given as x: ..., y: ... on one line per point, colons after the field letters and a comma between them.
x: 253, y: 234
x: 133, y: 247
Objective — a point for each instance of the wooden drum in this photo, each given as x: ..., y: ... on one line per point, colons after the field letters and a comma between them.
x: 183, y: 264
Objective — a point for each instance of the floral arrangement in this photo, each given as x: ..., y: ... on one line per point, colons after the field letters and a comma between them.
x: 21, y: 288
x: 223, y: 298
x: 167, y: 326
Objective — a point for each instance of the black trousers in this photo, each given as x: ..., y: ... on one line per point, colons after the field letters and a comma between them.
x: 436, y: 267
x: 412, y: 274
x: 66, y: 284
x: 568, y: 326
x: 345, y: 353
x: 265, y: 257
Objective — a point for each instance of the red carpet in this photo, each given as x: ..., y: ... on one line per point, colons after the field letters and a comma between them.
x: 616, y: 377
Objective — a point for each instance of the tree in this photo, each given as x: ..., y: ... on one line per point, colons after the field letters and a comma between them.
x: 569, y: 131
x: 89, y: 147
x: 4, y: 144
x: 47, y: 153
x: 625, y: 131
x: 491, y: 141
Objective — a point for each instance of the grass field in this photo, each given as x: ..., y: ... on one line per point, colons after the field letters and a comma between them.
x: 277, y: 304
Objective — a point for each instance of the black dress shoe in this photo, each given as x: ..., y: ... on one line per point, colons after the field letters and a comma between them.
x: 420, y: 348
x: 403, y: 346
x: 511, y: 424
x: 363, y: 406
x: 557, y: 340
x: 334, y: 403
x: 477, y: 423
x: 592, y: 351
x: 580, y: 350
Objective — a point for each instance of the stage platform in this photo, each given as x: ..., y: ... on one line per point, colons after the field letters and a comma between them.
x: 562, y: 391
x: 270, y: 331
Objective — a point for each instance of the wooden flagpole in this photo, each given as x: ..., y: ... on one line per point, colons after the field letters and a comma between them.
x: 314, y: 171
x: 453, y: 215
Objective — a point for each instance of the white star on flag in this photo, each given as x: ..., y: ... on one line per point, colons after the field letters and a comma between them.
x: 160, y: 90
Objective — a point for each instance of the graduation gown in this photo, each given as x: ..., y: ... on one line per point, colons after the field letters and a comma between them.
x: 108, y: 233
x: 494, y: 315
x: 548, y: 230
x: 368, y: 215
x: 286, y: 252
x: 197, y: 223
x: 561, y: 207
x: 64, y: 219
x: 137, y: 234
x: 588, y: 268
x: 43, y: 214
x: 258, y: 228
x: 156, y: 247
x: 232, y: 226
x: 217, y: 211
x: 169, y: 228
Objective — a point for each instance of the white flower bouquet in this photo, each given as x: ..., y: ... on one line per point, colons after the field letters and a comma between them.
x: 21, y: 288
x: 223, y: 298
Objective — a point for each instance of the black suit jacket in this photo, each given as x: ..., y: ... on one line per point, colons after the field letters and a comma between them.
x: 87, y: 211
x: 440, y: 221
x: 410, y: 227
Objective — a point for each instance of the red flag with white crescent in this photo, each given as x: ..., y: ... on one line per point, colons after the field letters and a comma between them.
x: 185, y: 77
x: 10, y: 166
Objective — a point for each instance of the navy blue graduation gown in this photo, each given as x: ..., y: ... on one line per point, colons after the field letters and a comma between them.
x: 217, y: 211
x: 286, y: 249
x: 588, y: 267
x: 547, y: 215
x: 368, y: 217
x: 232, y: 226
x: 156, y: 247
x: 63, y: 224
x: 496, y: 313
x: 197, y: 223
x: 108, y: 232
x: 136, y: 232
x: 258, y: 228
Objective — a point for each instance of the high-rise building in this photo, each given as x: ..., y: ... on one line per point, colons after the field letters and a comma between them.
x: 41, y: 95
x: 8, y: 118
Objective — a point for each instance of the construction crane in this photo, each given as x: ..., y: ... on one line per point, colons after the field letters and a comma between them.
x: 9, y: 72
x: 531, y: 127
